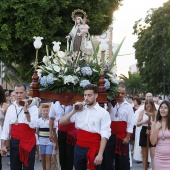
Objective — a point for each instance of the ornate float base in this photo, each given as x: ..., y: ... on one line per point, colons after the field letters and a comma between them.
x: 65, y: 98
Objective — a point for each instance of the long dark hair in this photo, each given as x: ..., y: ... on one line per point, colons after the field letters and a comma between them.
x: 151, y: 102
x: 159, y: 117
x: 2, y: 95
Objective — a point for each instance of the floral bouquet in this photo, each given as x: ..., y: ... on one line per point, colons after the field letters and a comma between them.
x: 65, y: 71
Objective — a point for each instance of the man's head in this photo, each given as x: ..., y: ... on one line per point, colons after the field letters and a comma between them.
x: 90, y: 94
x: 12, y: 94
x: 148, y: 96
x: 20, y: 92
x: 155, y: 99
x: 121, y: 93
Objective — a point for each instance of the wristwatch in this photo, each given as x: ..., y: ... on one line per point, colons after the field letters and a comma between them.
x: 26, y: 112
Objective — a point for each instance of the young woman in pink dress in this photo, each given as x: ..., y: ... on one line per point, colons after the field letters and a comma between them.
x: 160, y: 135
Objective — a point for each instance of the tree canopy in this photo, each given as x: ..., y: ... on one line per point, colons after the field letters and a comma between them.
x: 153, y: 49
x: 133, y: 83
x: 50, y: 19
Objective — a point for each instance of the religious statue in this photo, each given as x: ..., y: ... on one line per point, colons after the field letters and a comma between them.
x: 79, y: 33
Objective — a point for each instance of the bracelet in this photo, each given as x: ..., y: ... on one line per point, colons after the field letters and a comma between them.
x: 26, y: 112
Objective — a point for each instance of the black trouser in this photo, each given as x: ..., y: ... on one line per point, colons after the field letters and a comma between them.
x: 112, y: 161
x: 80, y: 158
x: 66, y: 152
x: 15, y: 163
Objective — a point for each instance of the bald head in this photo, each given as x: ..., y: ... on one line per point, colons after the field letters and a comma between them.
x: 148, y: 96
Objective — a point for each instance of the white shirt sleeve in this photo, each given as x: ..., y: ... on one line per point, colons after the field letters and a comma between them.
x: 33, y: 111
x: 130, y: 119
x: 105, y: 126
x: 56, y: 111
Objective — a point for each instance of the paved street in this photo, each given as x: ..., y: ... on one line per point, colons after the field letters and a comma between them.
x: 5, y: 160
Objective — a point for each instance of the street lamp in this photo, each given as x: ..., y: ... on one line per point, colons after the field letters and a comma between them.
x: 37, y: 46
x: 34, y: 85
x: 103, y: 47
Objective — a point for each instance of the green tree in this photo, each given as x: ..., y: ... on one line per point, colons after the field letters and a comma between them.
x: 153, y: 49
x: 133, y: 83
x: 51, y: 19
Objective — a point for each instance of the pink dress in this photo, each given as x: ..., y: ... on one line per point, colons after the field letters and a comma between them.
x: 162, y: 151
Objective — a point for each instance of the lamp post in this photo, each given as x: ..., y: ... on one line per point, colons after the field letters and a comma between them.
x: 103, y: 47
x: 37, y: 46
x: 34, y: 85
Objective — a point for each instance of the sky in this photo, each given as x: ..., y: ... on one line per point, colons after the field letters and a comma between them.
x: 124, y: 20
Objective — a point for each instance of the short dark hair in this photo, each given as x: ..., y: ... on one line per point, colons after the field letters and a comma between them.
x: 91, y: 87
x: 138, y: 100
x: 122, y: 86
x: 21, y: 85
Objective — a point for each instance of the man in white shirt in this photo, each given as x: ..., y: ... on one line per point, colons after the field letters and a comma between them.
x: 20, y: 123
x: 93, y: 124
x: 116, y: 155
x: 66, y: 135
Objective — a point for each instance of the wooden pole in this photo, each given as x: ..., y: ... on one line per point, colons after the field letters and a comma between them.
x: 147, y: 142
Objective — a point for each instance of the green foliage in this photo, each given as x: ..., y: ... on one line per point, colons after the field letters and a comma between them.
x: 133, y: 83
x: 51, y: 19
x: 153, y: 48
x: 113, y: 60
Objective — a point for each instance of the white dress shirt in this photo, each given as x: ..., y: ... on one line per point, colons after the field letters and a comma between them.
x: 95, y: 120
x: 57, y: 110
x: 11, y: 117
x: 124, y: 113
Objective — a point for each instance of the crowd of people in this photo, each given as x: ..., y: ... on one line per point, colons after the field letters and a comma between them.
x: 84, y: 135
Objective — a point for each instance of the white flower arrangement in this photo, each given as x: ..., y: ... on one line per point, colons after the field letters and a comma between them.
x: 70, y: 71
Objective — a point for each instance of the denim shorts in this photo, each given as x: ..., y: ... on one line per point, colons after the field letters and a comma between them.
x: 46, y: 149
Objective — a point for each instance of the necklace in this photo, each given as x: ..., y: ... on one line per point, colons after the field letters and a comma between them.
x: 64, y: 109
x: 117, y: 109
x: 16, y: 122
x: 163, y: 135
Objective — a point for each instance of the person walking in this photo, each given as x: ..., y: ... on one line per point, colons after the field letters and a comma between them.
x: 160, y: 136
x: 93, y: 124
x: 143, y: 121
x: 116, y: 155
x: 3, y: 109
x: 67, y: 135
x: 20, y: 123
x: 43, y: 132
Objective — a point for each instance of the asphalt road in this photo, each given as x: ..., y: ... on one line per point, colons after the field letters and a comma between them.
x: 38, y: 166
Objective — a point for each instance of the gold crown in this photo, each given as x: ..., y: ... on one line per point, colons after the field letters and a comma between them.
x: 78, y: 13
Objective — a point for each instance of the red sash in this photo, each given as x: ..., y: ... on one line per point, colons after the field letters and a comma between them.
x: 71, y: 132
x: 89, y: 140
x: 119, y: 129
x: 26, y: 135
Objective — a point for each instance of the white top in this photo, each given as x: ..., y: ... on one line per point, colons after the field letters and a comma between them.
x: 95, y: 120
x: 125, y: 113
x: 145, y: 117
x: 11, y: 117
x: 44, y: 123
x: 57, y: 110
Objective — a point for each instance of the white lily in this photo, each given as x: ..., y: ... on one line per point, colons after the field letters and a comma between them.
x: 56, y: 68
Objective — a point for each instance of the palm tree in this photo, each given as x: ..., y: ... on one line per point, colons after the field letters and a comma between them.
x: 133, y: 83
